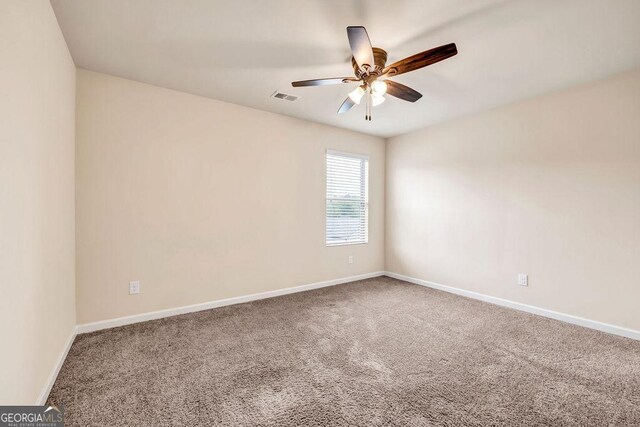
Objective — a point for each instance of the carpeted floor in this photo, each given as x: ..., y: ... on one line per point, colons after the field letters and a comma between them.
x: 377, y: 352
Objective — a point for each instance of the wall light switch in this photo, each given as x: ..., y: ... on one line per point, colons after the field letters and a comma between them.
x: 350, y: 259
x: 523, y: 280
x: 134, y: 287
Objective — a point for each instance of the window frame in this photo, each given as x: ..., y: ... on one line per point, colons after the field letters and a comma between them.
x: 365, y: 171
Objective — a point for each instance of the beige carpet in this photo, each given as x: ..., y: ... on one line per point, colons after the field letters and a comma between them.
x: 378, y: 352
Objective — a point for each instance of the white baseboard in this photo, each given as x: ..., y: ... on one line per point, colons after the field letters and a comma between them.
x: 604, y: 327
x: 44, y: 394
x: 121, y: 321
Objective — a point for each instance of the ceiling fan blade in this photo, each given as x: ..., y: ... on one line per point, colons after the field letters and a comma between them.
x: 401, y: 91
x: 346, y: 105
x: 360, y: 46
x: 421, y: 59
x: 324, y: 82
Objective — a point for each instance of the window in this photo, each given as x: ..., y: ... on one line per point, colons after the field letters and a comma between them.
x: 347, y: 198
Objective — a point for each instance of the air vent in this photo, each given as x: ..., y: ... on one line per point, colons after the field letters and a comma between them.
x: 284, y: 96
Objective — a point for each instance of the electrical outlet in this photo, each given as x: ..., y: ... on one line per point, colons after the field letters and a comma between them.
x: 134, y: 287
x: 350, y: 259
x: 523, y: 279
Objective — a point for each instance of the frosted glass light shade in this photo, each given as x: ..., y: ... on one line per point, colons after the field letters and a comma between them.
x: 357, y: 94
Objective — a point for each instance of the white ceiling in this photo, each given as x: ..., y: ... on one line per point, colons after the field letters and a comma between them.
x: 241, y: 51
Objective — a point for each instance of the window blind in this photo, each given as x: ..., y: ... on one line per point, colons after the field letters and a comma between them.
x: 347, y: 199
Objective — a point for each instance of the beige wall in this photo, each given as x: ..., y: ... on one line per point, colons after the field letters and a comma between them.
x: 202, y: 200
x: 37, y: 288
x: 548, y: 187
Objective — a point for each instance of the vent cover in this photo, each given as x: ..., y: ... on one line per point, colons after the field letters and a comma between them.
x: 284, y: 96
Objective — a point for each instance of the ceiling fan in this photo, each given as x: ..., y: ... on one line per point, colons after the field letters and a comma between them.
x: 369, y: 65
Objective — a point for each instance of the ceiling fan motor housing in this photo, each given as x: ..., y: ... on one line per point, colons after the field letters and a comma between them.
x: 380, y: 59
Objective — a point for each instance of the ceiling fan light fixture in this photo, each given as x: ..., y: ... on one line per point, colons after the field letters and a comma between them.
x: 356, y: 95
x: 376, y: 99
x: 379, y: 87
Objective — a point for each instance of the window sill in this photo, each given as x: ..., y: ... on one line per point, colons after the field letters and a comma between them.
x: 329, y: 245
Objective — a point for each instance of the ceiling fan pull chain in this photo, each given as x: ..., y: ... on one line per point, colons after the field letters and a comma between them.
x: 366, y: 106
